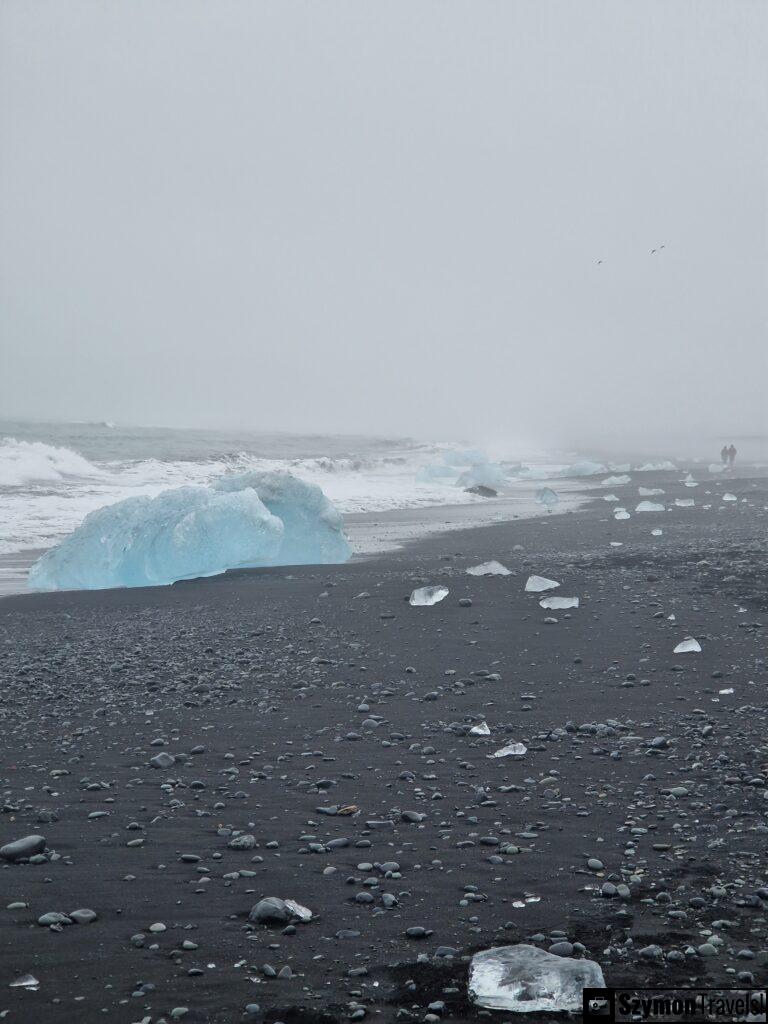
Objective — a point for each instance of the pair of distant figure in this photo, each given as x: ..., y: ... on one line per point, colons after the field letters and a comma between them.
x: 728, y: 455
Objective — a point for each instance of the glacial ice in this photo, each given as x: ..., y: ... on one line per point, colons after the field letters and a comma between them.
x: 585, y: 468
x: 650, y: 506
x: 621, y: 513
x: 483, y: 729
x: 657, y: 532
x: 688, y: 646
x: 649, y: 492
x: 510, y: 750
x: 492, y: 568
x: 535, y: 584
x: 684, y: 502
x: 257, y: 519
x: 484, y: 474
x: 525, y: 979
x: 559, y: 602
x: 610, y: 497
x: 424, y: 596
x: 617, y: 481
x: 547, y: 497
x: 657, y: 467
x: 729, y: 497
x: 432, y: 472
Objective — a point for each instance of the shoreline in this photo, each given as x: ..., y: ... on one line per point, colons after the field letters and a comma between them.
x: 312, y: 709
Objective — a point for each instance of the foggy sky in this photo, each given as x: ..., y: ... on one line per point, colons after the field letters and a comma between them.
x: 386, y: 216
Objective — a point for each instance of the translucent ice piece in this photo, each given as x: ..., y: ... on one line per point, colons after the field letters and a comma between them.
x: 617, y: 481
x: 492, y: 568
x: 688, y: 646
x: 480, y: 730
x: 649, y: 492
x: 621, y: 513
x: 428, y: 595
x: 535, y: 584
x: 559, y: 602
x: 650, y: 506
x: 547, y: 497
x: 729, y: 497
x: 525, y: 979
x: 684, y: 502
x: 510, y: 750
x: 657, y: 532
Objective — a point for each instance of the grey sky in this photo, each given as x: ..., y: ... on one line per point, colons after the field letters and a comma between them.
x: 387, y: 216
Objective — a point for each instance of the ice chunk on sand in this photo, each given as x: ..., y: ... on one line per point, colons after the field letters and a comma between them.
x: 688, y: 646
x: 525, y: 979
x: 684, y: 502
x: 650, y: 506
x: 715, y: 467
x: 610, y: 497
x: 621, y: 513
x: 535, y: 584
x: 559, y: 602
x: 657, y: 532
x: 427, y: 595
x: 510, y: 750
x: 547, y: 497
x: 689, y: 481
x: 657, y: 467
x: 649, y: 492
x: 492, y: 568
x: 257, y: 519
x: 617, y: 481
x: 729, y: 497
x: 27, y: 981
x: 480, y: 730
x: 585, y: 468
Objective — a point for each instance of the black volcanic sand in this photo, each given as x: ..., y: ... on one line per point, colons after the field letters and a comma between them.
x: 313, y: 709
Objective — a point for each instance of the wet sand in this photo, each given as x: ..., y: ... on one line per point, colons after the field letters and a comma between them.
x: 316, y: 711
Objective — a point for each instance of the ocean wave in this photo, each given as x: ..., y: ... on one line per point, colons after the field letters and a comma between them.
x: 32, y: 462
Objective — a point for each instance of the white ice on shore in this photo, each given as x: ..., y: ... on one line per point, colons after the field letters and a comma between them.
x: 483, y: 729
x: 585, y: 468
x: 525, y: 979
x: 492, y: 568
x: 252, y: 520
x: 536, y: 584
x: 510, y: 750
x: 559, y: 602
x: 657, y: 532
x: 424, y: 596
x: 657, y: 467
x: 729, y: 497
x: 684, y: 502
x: 649, y: 492
x: 650, y: 506
x: 621, y: 513
x: 617, y: 481
x: 547, y: 497
x: 688, y: 646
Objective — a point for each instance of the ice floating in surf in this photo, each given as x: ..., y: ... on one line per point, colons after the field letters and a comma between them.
x: 688, y: 646
x: 492, y: 568
x: 559, y: 602
x: 536, y: 584
x: 547, y: 497
x: 425, y: 596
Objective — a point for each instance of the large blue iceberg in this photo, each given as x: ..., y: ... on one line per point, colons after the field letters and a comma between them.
x: 250, y: 520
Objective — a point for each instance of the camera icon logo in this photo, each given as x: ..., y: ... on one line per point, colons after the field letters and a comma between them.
x: 598, y: 1005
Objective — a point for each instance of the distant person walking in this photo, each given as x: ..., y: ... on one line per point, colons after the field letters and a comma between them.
x: 724, y: 454
x: 731, y: 455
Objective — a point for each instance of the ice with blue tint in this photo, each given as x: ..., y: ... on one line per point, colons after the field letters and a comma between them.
x: 585, y: 468
x: 485, y: 474
x: 435, y: 471
x: 547, y: 497
x: 257, y: 519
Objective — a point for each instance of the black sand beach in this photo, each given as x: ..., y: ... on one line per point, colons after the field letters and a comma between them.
x: 314, y: 710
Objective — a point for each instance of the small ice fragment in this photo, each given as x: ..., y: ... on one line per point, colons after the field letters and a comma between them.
x: 657, y: 467
x: 729, y: 497
x: 649, y: 492
x: 301, y: 912
x: 688, y: 646
x: 525, y: 979
x: 650, y: 506
x: 617, y: 481
x: 547, y: 497
x: 559, y: 602
x: 427, y: 595
x: 27, y: 981
x: 610, y: 497
x: 480, y: 730
x: 491, y: 568
x: 684, y: 502
x: 535, y: 584
x: 728, y: 689
x: 617, y: 544
x: 510, y: 750
x: 621, y: 513
x: 657, y: 532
